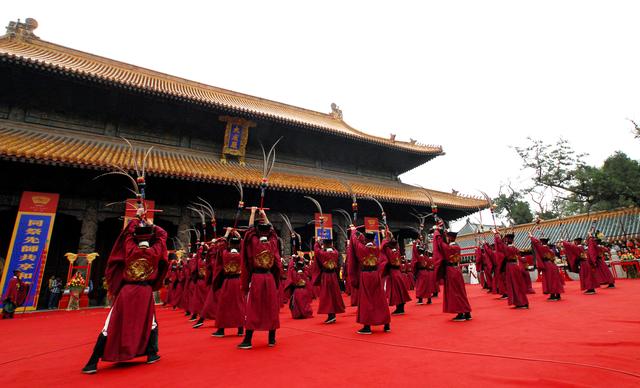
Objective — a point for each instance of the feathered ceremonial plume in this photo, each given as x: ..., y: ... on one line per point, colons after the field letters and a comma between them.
x: 292, y: 233
x: 268, y: 161
x: 138, y: 184
x: 210, y: 211
x: 383, y: 214
x: 491, y: 207
x: 317, y: 204
x: 238, y: 186
x: 345, y: 214
x: 203, y: 219
x: 434, y: 207
x: 354, y: 201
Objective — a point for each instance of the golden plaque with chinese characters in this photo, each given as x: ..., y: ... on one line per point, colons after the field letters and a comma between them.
x: 235, y: 137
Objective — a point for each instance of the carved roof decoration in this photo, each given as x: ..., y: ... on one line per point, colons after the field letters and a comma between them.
x: 21, y: 46
x: 34, y: 143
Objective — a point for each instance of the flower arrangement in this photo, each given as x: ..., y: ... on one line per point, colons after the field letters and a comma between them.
x: 77, y: 281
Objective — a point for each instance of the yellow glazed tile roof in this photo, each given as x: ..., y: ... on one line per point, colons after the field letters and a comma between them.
x: 43, y: 55
x: 19, y: 141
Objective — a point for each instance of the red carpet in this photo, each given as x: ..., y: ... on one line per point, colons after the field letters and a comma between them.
x: 580, y: 341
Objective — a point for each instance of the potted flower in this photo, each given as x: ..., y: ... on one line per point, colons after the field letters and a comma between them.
x: 76, y: 286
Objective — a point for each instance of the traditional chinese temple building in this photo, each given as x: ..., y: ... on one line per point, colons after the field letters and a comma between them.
x: 64, y: 112
x: 613, y: 226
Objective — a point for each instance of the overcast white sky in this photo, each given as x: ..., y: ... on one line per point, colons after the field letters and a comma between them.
x: 473, y: 76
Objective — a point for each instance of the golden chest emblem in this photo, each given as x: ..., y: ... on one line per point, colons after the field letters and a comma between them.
x: 301, y: 283
x: 232, y: 267
x: 454, y: 258
x: 370, y: 261
x: 330, y: 264
x: 139, y: 270
x: 264, y: 259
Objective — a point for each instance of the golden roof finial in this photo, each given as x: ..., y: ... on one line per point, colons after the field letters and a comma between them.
x: 23, y: 30
x: 336, y: 112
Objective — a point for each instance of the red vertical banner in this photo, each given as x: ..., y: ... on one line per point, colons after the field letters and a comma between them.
x: 372, y: 225
x: 324, y: 229
x: 132, y: 206
x: 30, y: 243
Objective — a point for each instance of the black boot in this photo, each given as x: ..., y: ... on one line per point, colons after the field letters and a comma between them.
x: 366, y: 329
x: 399, y: 309
x: 218, y: 333
x: 467, y: 316
x: 331, y: 318
x: 459, y: 318
x: 98, y: 351
x: 187, y: 313
x: 419, y: 301
x: 590, y: 291
x: 611, y: 285
x: 272, y: 338
x: 429, y: 301
x: 193, y: 317
x: 152, y: 347
x: 435, y: 294
x: 240, y: 331
x: 387, y: 328
x: 246, y: 342
x: 199, y: 323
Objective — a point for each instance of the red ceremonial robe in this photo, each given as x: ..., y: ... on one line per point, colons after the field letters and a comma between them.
x: 200, y: 287
x: 580, y: 261
x: 364, y: 272
x: 211, y: 300
x: 597, y: 253
x: 133, y: 274
x: 260, y: 276
x: 353, y: 291
x: 423, y: 269
x: 298, y: 287
x: 516, y: 288
x: 487, y: 266
x: 226, y: 285
x: 396, y: 284
x: 455, y: 295
x: 177, y: 285
x: 327, y: 263
x: 552, y: 282
x: 525, y: 274
x: 187, y: 269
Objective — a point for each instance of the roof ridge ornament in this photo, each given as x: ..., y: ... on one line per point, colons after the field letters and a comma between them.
x: 23, y: 31
x: 336, y: 112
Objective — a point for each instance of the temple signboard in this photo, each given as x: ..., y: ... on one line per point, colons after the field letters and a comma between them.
x: 236, y: 136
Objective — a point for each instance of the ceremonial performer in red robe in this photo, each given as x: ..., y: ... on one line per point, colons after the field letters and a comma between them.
x: 455, y: 295
x: 10, y: 297
x: 516, y: 288
x: 201, y: 288
x: 187, y: 290
x: 260, y: 275
x: 424, y: 272
x: 136, y: 267
x: 231, y: 303
x: 598, y: 253
x: 298, y: 286
x: 497, y: 261
x: 178, y: 284
x: 487, y: 266
x: 524, y: 268
x: 580, y: 261
x: 480, y: 266
x: 396, y: 284
x: 210, y: 305
x: 365, y: 267
x: 327, y: 261
x: 352, y: 291
x: 552, y: 282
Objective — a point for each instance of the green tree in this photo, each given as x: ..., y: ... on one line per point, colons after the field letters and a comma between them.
x: 517, y: 210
